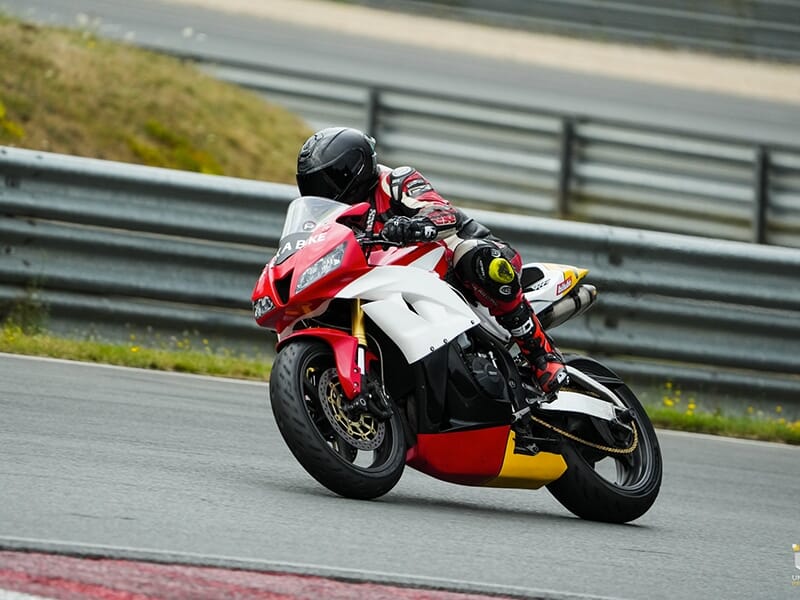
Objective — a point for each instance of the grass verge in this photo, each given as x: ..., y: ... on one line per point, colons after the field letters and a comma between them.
x: 670, y: 415
x: 15, y: 340
x: 748, y: 427
x: 72, y: 92
x: 687, y: 414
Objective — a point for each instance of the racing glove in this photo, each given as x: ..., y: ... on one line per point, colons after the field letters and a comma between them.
x: 404, y: 230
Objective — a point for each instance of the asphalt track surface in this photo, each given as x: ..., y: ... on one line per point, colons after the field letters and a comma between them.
x: 311, y: 50
x: 139, y: 464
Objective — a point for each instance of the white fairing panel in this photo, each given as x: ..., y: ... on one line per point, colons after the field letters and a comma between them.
x: 558, y: 280
x: 429, y: 261
x: 439, y: 314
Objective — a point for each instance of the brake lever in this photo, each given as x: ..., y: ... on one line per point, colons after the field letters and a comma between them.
x: 371, y: 239
x: 380, y: 242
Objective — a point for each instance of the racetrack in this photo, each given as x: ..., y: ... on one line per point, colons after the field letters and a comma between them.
x: 190, y: 465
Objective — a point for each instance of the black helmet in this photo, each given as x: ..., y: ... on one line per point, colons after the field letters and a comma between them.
x: 338, y: 163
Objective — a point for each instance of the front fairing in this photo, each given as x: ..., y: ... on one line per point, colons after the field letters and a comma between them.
x: 311, y: 238
x: 302, y: 218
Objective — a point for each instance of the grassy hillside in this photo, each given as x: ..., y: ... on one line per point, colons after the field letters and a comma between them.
x: 70, y: 92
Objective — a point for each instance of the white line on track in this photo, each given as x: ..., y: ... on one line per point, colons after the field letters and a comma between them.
x: 214, y: 378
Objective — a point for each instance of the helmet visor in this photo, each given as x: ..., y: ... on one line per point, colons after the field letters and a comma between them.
x: 334, y: 180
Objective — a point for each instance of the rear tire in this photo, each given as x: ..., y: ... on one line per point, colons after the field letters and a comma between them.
x: 324, y: 453
x: 588, y: 492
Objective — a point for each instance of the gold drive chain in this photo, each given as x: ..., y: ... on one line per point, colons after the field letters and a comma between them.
x: 575, y: 438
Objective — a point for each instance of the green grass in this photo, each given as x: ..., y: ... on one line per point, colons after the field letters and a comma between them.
x: 70, y: 92
x: 180, y: 358
x: 675, y: 412
x: 754, y: 428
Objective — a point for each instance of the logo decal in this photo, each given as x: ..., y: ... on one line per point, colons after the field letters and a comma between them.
x: 370, y: 227
x: 564, y: 285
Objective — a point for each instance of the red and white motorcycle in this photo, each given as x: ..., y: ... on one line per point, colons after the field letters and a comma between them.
x: 381, y: 363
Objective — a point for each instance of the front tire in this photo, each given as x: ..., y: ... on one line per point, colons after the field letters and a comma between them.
x: 611, y: 488
x: 303, y: 377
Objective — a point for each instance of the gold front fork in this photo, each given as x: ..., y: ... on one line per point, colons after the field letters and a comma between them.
x: 359, y: 332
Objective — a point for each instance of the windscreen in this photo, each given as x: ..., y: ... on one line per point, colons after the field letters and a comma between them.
x: 303, y: 215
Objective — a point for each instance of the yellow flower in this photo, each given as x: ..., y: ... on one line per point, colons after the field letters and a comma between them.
x: 750, y: 410
x: 668, y: 402
x: 134, y: 348
x: 692, y: 406
x: 779, y: 409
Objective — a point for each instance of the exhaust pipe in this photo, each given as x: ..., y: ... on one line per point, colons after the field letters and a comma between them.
x: 571, y: 305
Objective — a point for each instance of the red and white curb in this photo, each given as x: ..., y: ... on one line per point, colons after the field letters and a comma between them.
x: 41, y: 576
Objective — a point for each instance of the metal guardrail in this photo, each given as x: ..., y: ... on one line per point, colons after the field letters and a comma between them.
x: 756, y: 28
x: 116, y: 248
x: 549, y: 163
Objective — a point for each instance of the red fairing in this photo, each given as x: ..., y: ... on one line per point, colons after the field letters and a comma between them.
x: 345, y: 347
x: 471, y: 457
x: 301, y: 304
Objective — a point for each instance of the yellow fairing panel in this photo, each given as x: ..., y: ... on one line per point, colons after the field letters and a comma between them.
x: 530, y: 472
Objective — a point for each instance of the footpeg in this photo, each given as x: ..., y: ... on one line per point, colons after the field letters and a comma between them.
x: 518, y: 415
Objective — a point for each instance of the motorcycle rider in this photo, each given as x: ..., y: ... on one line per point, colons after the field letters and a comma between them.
x: 340, y: 163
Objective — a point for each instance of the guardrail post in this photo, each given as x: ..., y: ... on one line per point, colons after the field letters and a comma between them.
x: 373, y: 106
x: 565, y: 166
x: 761, y: 196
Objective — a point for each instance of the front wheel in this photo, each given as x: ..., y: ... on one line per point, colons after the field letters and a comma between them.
x: 614, y: 488
x: 354, y: 456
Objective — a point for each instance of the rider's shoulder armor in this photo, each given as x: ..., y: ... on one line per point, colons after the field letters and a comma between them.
x: 407, y: 182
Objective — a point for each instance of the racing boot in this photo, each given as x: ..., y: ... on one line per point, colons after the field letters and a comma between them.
x: 547, y: 363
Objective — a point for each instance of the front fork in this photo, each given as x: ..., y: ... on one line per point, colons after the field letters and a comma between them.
x: 360, y: 334
x: 349, y: 350
x: 373, y: 396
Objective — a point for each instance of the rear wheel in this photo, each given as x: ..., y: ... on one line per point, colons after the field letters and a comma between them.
x: 353, y: 455
x: 615, y: 488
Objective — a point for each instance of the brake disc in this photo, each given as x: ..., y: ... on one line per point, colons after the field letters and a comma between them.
x: 365, y: 433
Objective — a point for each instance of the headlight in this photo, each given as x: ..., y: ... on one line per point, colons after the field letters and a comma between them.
x: 262, y: 306
x: 330, y: 262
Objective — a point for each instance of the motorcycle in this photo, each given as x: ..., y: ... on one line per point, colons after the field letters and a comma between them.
x: 382, y: 364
